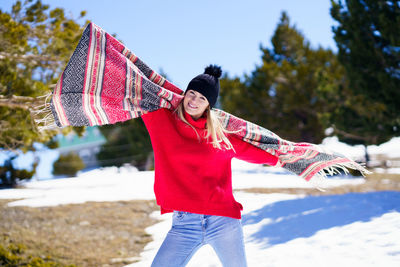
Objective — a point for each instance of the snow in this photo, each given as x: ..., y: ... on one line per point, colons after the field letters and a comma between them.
x: 126, y: 183
x: 356, y: 229
x: 247, y: 175
x: 286, y: 230
x: 108, y: 184
x: 358, y: 151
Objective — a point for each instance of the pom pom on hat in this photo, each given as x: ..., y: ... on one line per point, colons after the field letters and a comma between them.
x: 213, y: 70
x: 207, y: 83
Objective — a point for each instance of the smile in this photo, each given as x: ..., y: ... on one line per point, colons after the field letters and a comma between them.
x: 191, y: 106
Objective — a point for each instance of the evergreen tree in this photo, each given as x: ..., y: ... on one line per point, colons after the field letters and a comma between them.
x: 68, y: 164
x: 127, y: 142
x: 35, y: 45
x: 9, y: 176
x: 286, y: 92
x: 368, y: 41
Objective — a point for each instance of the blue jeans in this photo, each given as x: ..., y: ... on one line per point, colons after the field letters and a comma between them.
x: 191, y: 231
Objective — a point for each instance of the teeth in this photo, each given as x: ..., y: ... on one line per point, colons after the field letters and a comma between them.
x: 192, y: 106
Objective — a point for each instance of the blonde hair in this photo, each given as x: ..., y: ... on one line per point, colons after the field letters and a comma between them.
x: 214, y: 128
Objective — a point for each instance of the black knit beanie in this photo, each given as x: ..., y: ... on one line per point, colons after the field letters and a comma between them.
x: 207, y: 83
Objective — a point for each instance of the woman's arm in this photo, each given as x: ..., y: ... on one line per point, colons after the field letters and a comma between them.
x: 247, y: 152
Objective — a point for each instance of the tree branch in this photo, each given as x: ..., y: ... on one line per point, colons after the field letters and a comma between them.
x: 351, y: 136
x: 29, y: 58
x: 23, y: 102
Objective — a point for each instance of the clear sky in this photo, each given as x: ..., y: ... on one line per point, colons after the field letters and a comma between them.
x: 181, y: 37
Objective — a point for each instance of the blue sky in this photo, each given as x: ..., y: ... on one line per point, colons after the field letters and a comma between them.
x: 182, y: 37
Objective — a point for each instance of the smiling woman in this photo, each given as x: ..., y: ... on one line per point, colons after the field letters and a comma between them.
x: 194, y: 181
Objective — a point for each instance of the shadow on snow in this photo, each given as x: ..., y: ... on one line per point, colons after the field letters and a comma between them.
x: 290, y: 219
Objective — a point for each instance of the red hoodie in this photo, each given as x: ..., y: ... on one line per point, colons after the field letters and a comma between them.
x: 192, y: 175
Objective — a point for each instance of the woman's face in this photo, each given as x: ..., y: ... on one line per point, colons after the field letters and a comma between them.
x: 195, y: 104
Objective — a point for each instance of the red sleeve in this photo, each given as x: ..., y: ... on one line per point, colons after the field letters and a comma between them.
x: 247, y: 152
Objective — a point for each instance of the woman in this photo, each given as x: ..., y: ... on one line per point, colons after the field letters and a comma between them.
x: 193, y: 155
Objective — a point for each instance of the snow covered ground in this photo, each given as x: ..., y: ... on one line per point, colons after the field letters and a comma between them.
x: 357, y: 229
x: 285, y: 230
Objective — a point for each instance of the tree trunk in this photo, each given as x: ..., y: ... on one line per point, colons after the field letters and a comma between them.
x: 367, y: 158
x: 149, y: 162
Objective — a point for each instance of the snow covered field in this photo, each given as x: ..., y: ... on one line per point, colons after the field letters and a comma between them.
x: 357, y: 229
x: 286, y: 230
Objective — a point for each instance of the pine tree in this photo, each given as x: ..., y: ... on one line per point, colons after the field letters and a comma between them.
x: 35, y: 44
x: 368, y: 41
x: 9, y: 176
x: 127, y: 142
x: 286, y: 92
x: 68, y: 164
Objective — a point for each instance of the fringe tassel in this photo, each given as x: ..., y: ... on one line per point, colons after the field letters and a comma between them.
x: 43, y: 116
x: 318, y: 179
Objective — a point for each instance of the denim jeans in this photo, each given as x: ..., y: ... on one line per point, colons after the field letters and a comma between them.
x: 191, y: 231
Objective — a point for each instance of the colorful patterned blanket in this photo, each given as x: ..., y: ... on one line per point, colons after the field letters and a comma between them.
x: 104, y: 83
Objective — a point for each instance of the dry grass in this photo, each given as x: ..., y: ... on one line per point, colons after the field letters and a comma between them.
x: 373, y: 182
x: 89, y: 234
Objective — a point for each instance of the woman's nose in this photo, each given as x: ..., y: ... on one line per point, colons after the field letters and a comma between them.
x: 193, y: 98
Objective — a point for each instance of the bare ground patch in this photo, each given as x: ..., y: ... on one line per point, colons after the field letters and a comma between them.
x: 373, y: 182
x: 89, y: 234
